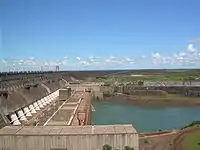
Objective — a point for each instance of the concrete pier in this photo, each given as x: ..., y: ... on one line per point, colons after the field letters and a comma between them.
x: 14, y: 119
x: 27, y: 112
x: 21, y: 115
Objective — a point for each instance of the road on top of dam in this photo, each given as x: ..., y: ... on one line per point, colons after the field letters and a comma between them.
x: 59, y: 113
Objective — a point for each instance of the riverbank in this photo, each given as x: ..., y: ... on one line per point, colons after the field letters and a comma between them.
x: 150, y: 101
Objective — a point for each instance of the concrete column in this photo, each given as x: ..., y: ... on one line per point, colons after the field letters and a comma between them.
x: 69, y: 91
x: 43, y: 102
x: 21, y: 115
x: 14, y: 119
x: 63, y: 94
x: 49, y: 99
x: 32, y: 110
x: 52, y: 97
x: 27, y: 112
x: 40, y: 104
x: 46, y: 100
x: 36, y: 106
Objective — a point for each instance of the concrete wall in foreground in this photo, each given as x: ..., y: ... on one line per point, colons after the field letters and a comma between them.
x: 81, y: 142
x: 68, y: 138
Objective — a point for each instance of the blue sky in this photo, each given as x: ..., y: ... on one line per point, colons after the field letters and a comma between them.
x: 100, y: 34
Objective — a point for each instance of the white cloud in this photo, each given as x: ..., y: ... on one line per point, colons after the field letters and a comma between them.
x: 178, y: 59
x: 31, y: 58
x: 84, y: 63
x: 3, y: 61
x: 182, y: 54
x: 78, y: 58
x: 112, y: 57
x: 191, y: 48
x: 157, y: 58
x: 66, y: 57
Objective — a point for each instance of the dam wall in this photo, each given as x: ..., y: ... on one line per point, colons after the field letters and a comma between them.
x: 21, y: 97
x: 62, y: 121
x: 22, y: 89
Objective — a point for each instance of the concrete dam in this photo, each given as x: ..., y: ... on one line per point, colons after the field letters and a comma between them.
x: 51, y: 111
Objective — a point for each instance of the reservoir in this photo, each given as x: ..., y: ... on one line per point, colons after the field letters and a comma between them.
x: 144, y: 119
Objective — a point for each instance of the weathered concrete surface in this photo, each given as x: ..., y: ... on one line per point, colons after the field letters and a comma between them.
x: 96, y: 89
x: 22, y: 97
x: 68, y: 137
x: 2, y: 122
x: 83, y: 112
x: 64, y: 94
x: 53, y: 85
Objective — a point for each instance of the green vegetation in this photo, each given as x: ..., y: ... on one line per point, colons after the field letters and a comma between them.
x: 192, y: 141
x: 146, y: 141
x: 194, y: 123
x: 128, y: 148
x: 153, y: 75
x: 167, y: 97
x: 108, y: 94
x: 108, y: 147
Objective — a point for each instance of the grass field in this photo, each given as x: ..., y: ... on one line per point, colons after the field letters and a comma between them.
x: 167, y: 97
x: 192, y: 141
x: 171, y: 75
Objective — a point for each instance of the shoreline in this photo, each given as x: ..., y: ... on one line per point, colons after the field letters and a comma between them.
x: 131, y: 100
x: 143, y: 135
x: 157, y: 102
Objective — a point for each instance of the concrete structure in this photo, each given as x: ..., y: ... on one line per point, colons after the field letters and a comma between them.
x: 14, y: 119
x: 96, y: 89
x: 75, y: 110
x: 61, y: 121
x: 82, y: 114
x: 21, y: 115
x: 64, y: 94
x: 67, y: 137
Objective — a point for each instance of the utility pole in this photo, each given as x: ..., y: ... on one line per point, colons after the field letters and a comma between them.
x: 57, y: 68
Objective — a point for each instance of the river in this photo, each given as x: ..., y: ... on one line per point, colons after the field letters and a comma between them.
x: 142, y: 118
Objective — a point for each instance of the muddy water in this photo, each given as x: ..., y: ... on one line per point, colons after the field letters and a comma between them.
x: 143, y: 119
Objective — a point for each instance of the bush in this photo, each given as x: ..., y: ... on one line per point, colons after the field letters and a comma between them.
x: 107, y: 147
x: 146, y: 141
x: 194, y: 123
x: 128, y: 148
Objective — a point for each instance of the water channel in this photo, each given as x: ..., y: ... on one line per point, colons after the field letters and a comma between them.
x: 143, y: 119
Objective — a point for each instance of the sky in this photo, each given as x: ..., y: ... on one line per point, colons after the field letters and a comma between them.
x: 99, y: 34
